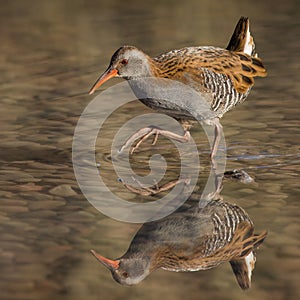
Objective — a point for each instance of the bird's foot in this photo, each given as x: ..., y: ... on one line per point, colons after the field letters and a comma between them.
x: 144, y: 133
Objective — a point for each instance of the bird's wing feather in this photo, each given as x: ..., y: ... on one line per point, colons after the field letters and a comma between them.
x: 190, y: 62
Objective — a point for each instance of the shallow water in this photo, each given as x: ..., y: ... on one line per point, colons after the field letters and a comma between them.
x: 52, y: 52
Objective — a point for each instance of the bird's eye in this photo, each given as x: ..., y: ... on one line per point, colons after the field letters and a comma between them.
x: 124, y: 61
x: 125, y: 274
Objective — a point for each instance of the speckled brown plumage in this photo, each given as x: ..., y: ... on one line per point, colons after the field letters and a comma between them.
x: 227, y: 75
x: 239, y: 67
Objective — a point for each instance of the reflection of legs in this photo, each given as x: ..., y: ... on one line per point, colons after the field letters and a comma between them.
x: 215, y: 195
x: 144, y: 133
x: 238, y: 175
x: 147, y: 191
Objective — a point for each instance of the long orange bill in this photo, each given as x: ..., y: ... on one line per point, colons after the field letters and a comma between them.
x: 109, y: 73
x: 109, y: 263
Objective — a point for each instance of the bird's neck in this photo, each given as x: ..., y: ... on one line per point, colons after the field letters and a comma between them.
x: 166, y: 66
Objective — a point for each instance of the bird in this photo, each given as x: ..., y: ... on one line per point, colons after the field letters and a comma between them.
x: 224, y: 76
x: 195, y: 237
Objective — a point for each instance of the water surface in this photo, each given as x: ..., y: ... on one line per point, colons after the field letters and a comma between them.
x: 51, y: 54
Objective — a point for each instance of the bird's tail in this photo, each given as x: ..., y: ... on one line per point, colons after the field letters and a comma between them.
x: 243, y: 265
x: 241, y: 39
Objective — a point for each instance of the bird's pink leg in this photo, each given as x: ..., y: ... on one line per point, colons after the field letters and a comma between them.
x: 217, y: 138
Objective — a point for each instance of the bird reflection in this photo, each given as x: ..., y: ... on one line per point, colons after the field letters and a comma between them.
x: 200, y: 235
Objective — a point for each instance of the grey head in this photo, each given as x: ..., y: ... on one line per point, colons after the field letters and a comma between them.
x: 126, y: 271
x: 127, y: 62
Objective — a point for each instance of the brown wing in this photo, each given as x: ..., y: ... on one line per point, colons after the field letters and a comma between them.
x: 241, y: 68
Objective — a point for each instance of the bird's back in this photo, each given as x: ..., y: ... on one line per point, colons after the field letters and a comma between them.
x: 226, y: 74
